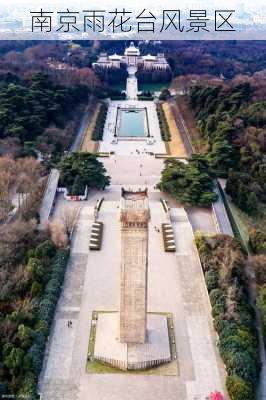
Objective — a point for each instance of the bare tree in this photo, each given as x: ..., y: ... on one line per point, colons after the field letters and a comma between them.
x: 15, y: 238
x: 68, y: 218
x: 58, y: 234
x: 28, y: 177
x: 7, y: 181
x: 18, y: 179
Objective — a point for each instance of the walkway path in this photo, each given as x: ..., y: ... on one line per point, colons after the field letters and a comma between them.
x: 87, y: 144
x: 181, y: 127
x: 132, y: 84
x: 176, y: 145
x: 83, y: 125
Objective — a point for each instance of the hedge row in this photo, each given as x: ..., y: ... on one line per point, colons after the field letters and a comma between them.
x: 164, y: 128
x: 118, y: 96
x: 145, y: 96
x: 97, y: 133
x: 234, y: 320
x: 45, y: 309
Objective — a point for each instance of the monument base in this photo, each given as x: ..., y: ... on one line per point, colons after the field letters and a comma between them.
x: 108, y: 349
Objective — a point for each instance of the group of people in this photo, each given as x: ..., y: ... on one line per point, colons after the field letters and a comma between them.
x: 157, y: 229
x: 69, y: 323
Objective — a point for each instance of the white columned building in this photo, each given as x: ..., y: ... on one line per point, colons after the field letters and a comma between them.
x: 132, y: 58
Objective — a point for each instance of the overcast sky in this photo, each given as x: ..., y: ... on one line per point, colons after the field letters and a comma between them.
x: 151, y: 4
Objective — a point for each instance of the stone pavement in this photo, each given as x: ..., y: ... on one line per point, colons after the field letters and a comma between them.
x: 175, y: 284
x: 108, y: 348
x: 132, y: 84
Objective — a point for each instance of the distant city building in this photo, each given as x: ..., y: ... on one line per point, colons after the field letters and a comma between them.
x: 132, y: 58
x: 10, y: 24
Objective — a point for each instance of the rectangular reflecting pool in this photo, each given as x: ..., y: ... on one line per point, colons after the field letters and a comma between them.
x: 131, y: 122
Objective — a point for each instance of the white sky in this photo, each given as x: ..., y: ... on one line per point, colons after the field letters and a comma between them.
x: 152, y: 4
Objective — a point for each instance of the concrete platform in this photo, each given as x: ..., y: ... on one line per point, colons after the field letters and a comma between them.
x: 108, y: 349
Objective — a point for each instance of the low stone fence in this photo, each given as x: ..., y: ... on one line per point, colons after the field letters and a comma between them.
x: 132, y: 366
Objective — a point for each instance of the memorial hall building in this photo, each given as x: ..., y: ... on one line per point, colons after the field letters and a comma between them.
x: 132, y: 58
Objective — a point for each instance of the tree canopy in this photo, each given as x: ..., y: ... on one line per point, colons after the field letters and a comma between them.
x: 233, y: 125
x: 27, y: 108
x: 189, y: 184
x: 78, y: 170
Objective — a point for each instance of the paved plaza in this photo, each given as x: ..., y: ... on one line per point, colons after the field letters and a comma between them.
x: 109, y: 349
x: 92, y: 283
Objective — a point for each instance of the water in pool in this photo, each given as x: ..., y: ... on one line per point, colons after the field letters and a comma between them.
x: 132, y: 123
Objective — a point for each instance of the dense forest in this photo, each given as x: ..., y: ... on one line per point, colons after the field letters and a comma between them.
x: 232, y: 120
x: 154, y: 76
x: 29, y: 108
x: 112, y: 75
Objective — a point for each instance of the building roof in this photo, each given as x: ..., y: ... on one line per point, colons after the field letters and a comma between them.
x: 132, y: 50
x: 115, y: 57
x: 149, y: 57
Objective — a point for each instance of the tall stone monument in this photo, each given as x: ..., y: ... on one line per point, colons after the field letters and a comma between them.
x: 134, y: 217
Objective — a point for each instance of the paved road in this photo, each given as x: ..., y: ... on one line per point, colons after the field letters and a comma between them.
x: 82, y: 129
x: 181, y: 127
x: 221, y: 216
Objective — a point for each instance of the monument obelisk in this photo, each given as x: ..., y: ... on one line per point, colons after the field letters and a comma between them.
x: 134, y: 217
